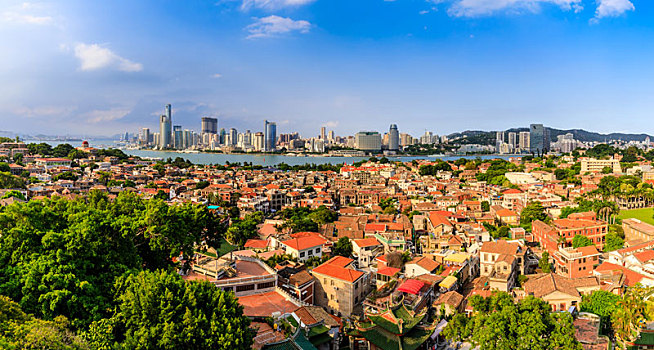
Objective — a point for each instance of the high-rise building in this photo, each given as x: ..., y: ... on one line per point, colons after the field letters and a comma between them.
x: 178, y: 136
x: 406, y: 140
x: 165, y: 128
x: 499, y: 136
x: 258, y: 141
x: 368, y: 141
x: 323, y: 133
x: 209, y: 125
x: 523, y: 141
x: 539, y: 139
x: 393, y: 138
x: 223, y: 136
x: 270, y: 136
x: 144, y: 136
x: 232, y: 137
x: 513, y: 140
x: 331, y: 136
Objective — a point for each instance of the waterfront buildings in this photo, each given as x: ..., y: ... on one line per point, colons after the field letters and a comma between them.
x: 393, y: 138
x: 209, y: 125
x: 368, y: 141
x: 539, y: 139
x: 165, y: 128
x: 270, y: 136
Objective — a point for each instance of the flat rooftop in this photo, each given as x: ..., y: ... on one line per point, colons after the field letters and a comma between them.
x: 263, y: 305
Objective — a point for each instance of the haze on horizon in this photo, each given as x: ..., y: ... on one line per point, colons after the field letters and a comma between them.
x: 100, y: 68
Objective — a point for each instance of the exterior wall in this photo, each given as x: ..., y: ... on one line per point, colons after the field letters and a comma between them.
x: 595, y: 233
x: 337, y: 296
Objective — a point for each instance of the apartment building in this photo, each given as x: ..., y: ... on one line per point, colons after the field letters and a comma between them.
x: 576, y: 262
x: 635, y: 229
x: 591, y: 165
x: 340, y: 287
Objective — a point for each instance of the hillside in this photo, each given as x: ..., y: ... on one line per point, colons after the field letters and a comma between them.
x: 488, y: 137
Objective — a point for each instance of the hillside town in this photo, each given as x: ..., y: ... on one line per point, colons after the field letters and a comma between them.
x: 396, y: 255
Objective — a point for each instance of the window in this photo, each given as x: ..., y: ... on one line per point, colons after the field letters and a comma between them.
x: 244, y: 288
x: 265, y: 285
x: 302, y: 255
x: 317, y: 250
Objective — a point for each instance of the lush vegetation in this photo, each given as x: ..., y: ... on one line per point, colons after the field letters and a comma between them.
x: 495, y: 173
x: 498, y: 323
x: 87, y: 260
x: 304, y: 219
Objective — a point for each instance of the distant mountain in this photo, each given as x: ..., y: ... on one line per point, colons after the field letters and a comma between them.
x: 488, y: 137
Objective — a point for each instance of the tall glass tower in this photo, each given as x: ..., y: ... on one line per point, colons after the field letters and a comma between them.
x: 270, y: 136
x: 165, y: 127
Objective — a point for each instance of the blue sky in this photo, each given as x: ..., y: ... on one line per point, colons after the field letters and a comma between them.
x: 105, y: 67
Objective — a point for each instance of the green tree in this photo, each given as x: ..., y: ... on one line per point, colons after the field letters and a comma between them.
x: 343, y: 247
x: 62, y: 150
x: 15, y: 194
x: 21, y: 331
x: 532, y: 212
x: 500, y: 324
x: 202, y: 184
x: 613, y: 242
x: 10, y: 181
x: 4, y: 167
x: 61, y: 257
x: 159, y: 310
x: 544, y: 263
x: 485, y: 206
x: 601, y: 303
x: 581, y: 241
x: 66, y: 175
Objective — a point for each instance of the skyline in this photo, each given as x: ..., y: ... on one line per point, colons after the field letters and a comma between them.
x: 446, y: 66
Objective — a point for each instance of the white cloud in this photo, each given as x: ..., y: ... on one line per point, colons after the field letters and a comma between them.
x: 42, y: 111
x: 99, y: 116
x: 475, y: 8
x: 613, y: 8
x: 94, y: 57
x: 273, y: 4
x: 217, y: 75
x: 26, y: 14
x: 330, y: 124
x: 274, y: 25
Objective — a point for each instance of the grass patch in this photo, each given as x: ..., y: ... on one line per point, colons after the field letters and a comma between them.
x: 644, y: 215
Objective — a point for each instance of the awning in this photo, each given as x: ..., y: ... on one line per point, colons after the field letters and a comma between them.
x: 411, y: 286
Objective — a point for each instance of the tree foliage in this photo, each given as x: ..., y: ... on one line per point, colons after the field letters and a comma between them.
x: 159, y: 310
x: 532, y: 212
x: 581, y: 241
x: 343, y: 247
x: 500, y: 324
x: 61, y: 257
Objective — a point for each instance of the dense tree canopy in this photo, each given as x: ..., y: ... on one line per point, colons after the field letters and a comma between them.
x: 581, y: 241
x: 343, y: 247
x: 532, y: 212
x: 61, y: 257
x: 159, y: 310
x: 500, y: 324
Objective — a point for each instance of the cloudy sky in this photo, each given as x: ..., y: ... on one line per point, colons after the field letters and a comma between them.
x: 105, y: 67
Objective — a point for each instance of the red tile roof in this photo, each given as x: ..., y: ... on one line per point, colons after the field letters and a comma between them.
x: 256, y: 243
x: 366, y: 242
x: 631, y: 277
x: 303, y: 243
x: 335, y: 270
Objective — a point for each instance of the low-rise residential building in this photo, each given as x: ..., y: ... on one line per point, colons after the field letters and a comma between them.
x: 304, y: 247
x: 340, y: 287
x: 576, y: 262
